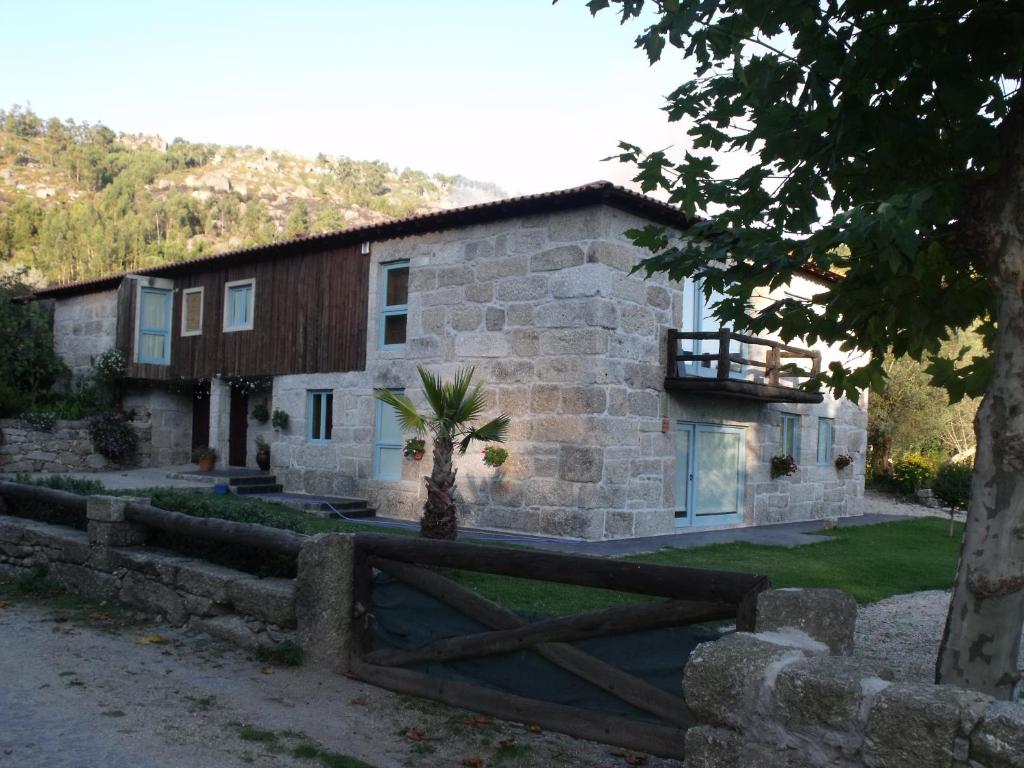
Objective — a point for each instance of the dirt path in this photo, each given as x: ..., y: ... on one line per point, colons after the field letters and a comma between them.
x: 80, y: 690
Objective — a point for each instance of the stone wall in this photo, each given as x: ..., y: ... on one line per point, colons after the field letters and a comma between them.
x: 110, y: 562
x: 167, y: 416
x: 84, y: 326
x: 572, y: 346
x: 66, y: 448
x: 790, y: 696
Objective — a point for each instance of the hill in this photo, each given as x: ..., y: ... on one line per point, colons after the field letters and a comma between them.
x: 79, y: 200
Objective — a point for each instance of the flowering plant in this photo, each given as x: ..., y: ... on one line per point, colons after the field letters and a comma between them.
x: 494, y: 456
x: 843, y: 460
x: 783, y: 466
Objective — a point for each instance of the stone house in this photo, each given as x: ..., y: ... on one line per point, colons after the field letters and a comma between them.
x: 633, y: 414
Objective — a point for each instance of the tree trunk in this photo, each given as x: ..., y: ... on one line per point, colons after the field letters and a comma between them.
x: 981, y: 642
x: 439, y: 518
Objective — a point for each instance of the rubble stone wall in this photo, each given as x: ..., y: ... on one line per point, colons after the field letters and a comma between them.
x: 65, y: 448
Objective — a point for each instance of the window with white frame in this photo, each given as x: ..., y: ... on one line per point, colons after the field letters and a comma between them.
x: 387, y: 455
x: 153, y: 345
x: 239, y: 298
x: 192, y: 312
x: 394, y: 303
x: 826, y: 436
x: 789, y: 442
x: 319, y: 415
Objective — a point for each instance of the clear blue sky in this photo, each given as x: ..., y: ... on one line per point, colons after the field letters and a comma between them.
x: 518, y: 92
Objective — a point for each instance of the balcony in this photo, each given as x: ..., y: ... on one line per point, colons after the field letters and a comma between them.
x: 727, y: 364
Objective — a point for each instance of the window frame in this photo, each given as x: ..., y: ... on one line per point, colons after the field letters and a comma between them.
x: 325, y: 409
x: 790, y: 418
x: 251, y: 282
x: 392, y: 310
x: 202, y: 306
x: 165, y: 331
x: 378, y: 445
x: 830, y: 439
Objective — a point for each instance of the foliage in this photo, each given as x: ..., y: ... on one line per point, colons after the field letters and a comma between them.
x: 203, y: 452
x: 43, y: 420
x: 37, y: 582
x: 110, y: 365
x: 81, y: 486
x: 260, y: 413
x: 413, y: 446
x: 454, y: 407
x: 262, y: 446
x: 783, y: 466
x: 113, y: 437
x: 843, y: 460
x: 494, y: 456
x: 279, y: 420
x: 287, y: 653
x: 29, y: 366
x: 44, y: 512
x: 850, y: 129
x: 952, y: 485
x: 912, y: 472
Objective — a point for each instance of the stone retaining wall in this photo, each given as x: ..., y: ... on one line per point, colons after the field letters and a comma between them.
x: 65, y: 448
x: 110, y: 562
x: 790, y: 696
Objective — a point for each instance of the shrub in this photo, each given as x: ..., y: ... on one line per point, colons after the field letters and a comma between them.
x: 79, y: 485
x: 113, y: 437
x: 110, y: 365
x: 44, y: 421
x: 494, y: 456
x: 912, y: 472
x: 12, y: 402
x: 783, y: 466
x: 260, y: 413
x: 952, y: 485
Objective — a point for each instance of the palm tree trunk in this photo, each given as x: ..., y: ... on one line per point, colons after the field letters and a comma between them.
x: 439, y: 518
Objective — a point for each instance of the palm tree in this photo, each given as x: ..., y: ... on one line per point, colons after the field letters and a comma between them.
x: 454, y: 407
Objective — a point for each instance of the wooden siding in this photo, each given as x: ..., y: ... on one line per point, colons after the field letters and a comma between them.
x: 309, y: 317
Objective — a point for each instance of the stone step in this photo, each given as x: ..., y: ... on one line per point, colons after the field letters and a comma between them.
x: 241, y: 480
x: 257, y: 488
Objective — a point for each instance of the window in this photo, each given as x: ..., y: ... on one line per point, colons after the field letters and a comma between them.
x: 394, y: 304
x: 319, y: 415
x: 387, y: 459
x: 154, y: 342
x: 192, y: 312
x: 238, y: 305
x: 826, y: 433
x: 789, y: 444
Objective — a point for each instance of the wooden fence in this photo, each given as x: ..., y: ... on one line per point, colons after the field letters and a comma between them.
x: 691, y: 596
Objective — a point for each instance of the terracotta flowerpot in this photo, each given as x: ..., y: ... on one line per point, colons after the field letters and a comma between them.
x: 206, y: 463
x: 263, y: 460
x: 418, y: 456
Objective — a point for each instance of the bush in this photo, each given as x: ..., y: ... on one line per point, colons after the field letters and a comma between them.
x: 952, y: 485
x: 113, y: 437
x: 783, y: 466
x: 912, y: 472
x: 44, y: 421
x: 81, y: 486
x: 12, y: 402
x: 110, y: 365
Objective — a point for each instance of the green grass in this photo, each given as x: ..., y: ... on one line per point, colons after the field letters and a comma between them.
x: 871, y: 562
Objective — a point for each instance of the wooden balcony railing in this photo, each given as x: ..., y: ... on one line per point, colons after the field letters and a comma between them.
x: 741, y: 366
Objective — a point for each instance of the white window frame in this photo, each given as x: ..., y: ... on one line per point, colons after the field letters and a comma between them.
x: 789, y: 417
x: 202, y: 305
x: 393, y: 310
x: 251, y: 281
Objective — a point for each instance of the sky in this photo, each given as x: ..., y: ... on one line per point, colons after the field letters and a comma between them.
x: 522, y: 93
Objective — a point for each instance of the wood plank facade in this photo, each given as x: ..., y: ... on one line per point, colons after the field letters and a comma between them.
x: 309, y: 316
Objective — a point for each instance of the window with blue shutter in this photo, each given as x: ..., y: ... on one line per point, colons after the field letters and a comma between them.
x: 154, y: 341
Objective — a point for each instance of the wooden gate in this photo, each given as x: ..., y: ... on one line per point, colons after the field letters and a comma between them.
x: 691, y: 596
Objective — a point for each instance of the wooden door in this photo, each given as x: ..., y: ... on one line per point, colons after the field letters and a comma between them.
x: 239, y: 428
x: 201, y: 415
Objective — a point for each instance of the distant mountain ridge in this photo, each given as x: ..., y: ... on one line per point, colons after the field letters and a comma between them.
x: 79, y: 201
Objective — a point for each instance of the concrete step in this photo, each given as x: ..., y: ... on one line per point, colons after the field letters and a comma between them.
x: 240, y: 480
x: 258, y: 488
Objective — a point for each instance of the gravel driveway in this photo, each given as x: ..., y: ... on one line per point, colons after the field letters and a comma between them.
x: 75, y: 693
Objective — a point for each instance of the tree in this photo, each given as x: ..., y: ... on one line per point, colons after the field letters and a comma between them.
x: 454, y: 406
x: 298, y: 220
x: 28, y: 363
x: 897, y: 130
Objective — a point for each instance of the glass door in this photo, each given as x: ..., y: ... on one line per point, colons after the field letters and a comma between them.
x: 709, y: 474
x: 698, y: 315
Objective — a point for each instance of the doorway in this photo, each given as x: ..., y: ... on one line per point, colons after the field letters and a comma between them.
x: 201, y: 415
x: 238, y: 429
x: 710, y: 470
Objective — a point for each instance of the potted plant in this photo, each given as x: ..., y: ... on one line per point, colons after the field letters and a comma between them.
x: 783, y: 466
x: 843, y: 460
x: 414, y: 448
x: 205, y: 457
x: 260, y: 413
x: 279, y: 420
x: 262, y: 453
x: 494, y: 456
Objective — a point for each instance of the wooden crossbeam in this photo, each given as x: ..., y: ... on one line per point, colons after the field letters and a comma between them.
x: 612, y: 621
x: 629, y: 688
x: 665, y: 741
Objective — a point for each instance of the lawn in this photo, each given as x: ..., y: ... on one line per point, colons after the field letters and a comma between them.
x: 870, y: 562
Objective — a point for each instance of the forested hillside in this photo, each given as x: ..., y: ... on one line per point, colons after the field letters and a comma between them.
x: 79, y: 200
